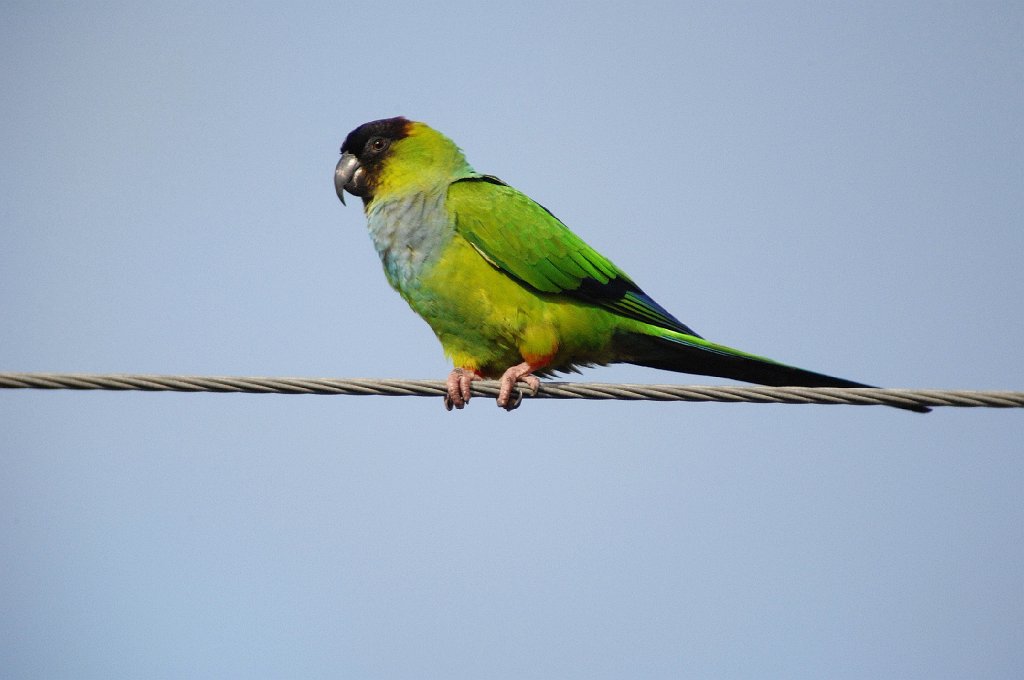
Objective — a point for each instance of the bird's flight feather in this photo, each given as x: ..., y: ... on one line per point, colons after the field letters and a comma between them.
x: 541, y: 252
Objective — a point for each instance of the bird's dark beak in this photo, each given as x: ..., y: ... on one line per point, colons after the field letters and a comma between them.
x: 344, y: 174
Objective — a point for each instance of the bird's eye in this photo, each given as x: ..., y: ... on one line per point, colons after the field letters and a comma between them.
x: 377, y: 144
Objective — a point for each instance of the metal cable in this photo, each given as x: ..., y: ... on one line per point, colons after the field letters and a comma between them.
x: 489, y: 388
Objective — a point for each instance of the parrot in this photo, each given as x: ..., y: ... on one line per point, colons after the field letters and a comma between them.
x: 510, y: 292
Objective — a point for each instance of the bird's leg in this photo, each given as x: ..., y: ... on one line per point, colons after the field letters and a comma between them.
x: 458, y: 383
x: 509, y: 379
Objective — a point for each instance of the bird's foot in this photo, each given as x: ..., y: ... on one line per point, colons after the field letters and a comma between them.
x: 522, y: 371
x: 458, y: 384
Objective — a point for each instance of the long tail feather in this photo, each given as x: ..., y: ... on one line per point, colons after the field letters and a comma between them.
x: 690, y: 354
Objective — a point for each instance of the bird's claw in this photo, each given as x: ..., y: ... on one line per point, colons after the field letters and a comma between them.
x: 509, y: 396
x: 516, y: 398
x: 458, y: 388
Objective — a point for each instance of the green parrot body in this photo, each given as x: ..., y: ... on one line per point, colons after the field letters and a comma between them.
x: 507, y: 288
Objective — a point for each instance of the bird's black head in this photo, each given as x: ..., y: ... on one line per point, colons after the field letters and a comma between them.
x: 362, y: 154
x: 388, y: 128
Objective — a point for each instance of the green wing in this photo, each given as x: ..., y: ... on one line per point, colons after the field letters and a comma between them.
x: 524, y: 240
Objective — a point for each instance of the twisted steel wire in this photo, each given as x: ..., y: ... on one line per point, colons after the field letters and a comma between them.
x: 489, y: 388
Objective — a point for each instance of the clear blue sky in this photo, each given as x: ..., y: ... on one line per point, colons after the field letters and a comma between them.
x: 839, y: 186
